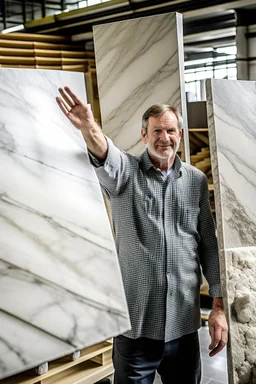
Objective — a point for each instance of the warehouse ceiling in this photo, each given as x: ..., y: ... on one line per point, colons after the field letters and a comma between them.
x: 208, y: 24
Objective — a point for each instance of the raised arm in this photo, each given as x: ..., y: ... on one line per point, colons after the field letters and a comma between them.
x: 81, y: 116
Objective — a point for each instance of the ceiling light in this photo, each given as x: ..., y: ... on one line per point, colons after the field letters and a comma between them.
x: 13, y: 29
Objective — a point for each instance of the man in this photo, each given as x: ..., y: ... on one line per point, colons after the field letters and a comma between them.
x: 164, y: 232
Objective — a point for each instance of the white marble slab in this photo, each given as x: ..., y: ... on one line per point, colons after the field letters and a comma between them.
x: 59, y: 271
x: 139, y: 62
x: 232, y: 134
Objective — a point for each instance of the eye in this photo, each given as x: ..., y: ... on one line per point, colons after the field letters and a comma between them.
x: 171, y: 130
x: 157, y: 130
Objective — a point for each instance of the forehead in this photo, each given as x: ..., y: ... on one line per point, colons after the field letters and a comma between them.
x: 167, y: 118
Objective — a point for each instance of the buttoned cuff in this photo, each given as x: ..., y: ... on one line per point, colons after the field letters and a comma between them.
x: 112, y: 160
x: 94, y: 161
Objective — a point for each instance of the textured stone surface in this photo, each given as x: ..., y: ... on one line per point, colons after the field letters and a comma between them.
x: 241, y: 299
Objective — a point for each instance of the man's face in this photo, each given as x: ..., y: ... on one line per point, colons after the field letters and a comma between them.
x: 163, y: 136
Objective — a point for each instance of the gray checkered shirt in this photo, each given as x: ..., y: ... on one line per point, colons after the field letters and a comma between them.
x: 164, y: 232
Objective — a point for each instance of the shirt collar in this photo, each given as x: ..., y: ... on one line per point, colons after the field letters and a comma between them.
x: 146, y: 163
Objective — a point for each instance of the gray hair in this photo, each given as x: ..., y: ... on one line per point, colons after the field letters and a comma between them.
x: 157, y: 110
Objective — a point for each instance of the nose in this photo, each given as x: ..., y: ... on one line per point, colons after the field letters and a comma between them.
x: 164, y: 135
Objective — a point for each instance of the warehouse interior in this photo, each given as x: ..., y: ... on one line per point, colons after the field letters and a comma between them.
x: 210, y: 28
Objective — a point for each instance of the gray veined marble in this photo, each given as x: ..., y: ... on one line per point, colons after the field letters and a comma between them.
x: 139, y: 62
x: 232, y: 131
x: 60, y: 283
x: 232, y: 136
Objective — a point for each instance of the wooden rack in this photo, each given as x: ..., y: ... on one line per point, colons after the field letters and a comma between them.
x: 94, y: 364
x: 200, y: 158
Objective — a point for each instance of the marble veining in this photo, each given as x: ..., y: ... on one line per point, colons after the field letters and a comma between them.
x: 139, y: 62
x: 232, y: 136
x: 59, y: 273
x: 232, y: 131
x: 23, y: 345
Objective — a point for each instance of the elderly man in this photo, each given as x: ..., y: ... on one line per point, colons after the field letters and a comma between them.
x: 164, y: 233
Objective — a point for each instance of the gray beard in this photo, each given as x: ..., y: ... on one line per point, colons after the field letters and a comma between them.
x: 163, y: 157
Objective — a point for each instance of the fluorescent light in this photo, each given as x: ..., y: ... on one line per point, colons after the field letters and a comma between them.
x: 232, y: 50
x: 82, y: 4
x: 13, y: 29
x: 209, y: 60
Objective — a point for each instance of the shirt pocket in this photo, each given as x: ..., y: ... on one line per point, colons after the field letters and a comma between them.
x: 151, y: 206
x: 188, y: 218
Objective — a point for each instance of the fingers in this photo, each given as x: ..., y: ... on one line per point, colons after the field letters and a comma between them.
x: 62, y: 105
x: 217, y: 349
x: 69, y: 101
x: 219, y: 341
x: 215, y: 337
x: 69, y: 97
x: 73, y: 97
x: 222, y: 343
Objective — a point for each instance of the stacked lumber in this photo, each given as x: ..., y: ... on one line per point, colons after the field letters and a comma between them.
x: 200, y: 156
x: 202, y: 161
x: 20, y: 50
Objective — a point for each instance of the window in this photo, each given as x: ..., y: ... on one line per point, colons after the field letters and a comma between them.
x: 221, y: 66
x: 86, y: 3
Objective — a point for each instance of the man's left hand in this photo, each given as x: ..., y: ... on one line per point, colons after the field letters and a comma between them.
x: 218, y: 327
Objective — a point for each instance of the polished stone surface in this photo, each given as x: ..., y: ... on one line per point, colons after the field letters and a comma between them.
x: 139, y: 62
x: 232, y: 134
x: 60, y: 283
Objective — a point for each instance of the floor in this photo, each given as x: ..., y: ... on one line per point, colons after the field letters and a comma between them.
x: 214, y: 368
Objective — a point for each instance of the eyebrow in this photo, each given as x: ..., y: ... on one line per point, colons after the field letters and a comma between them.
x: 164, y: 128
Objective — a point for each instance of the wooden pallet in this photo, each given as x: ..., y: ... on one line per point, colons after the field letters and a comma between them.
x: 94, y: 364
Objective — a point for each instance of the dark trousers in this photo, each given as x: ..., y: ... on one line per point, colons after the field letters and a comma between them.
x: 177, y: 362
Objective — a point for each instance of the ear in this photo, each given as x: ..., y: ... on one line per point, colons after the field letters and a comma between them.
x: 144, y: 136
x: 181, y: 132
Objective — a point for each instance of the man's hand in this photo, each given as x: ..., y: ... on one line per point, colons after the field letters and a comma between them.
x: 81, y: 116
x: 218, y: 327
x: 77, y: 112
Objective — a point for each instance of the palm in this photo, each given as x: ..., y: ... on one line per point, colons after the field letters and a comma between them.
x: 79, y: 116
x: 78, y: 113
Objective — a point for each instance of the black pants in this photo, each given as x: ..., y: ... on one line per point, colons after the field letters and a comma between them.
x: 177, y: 362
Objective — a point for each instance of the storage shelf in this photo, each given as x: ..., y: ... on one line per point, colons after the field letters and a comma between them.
x: 93, y: 364
x: 198, y: 129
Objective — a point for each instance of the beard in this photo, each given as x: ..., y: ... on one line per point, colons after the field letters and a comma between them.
x: 167, y: 154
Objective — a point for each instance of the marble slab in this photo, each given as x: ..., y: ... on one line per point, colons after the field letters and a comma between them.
x: 60, y: 283
x: 139, y: 62
x: 231, y: 107
x: 232, y: 135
